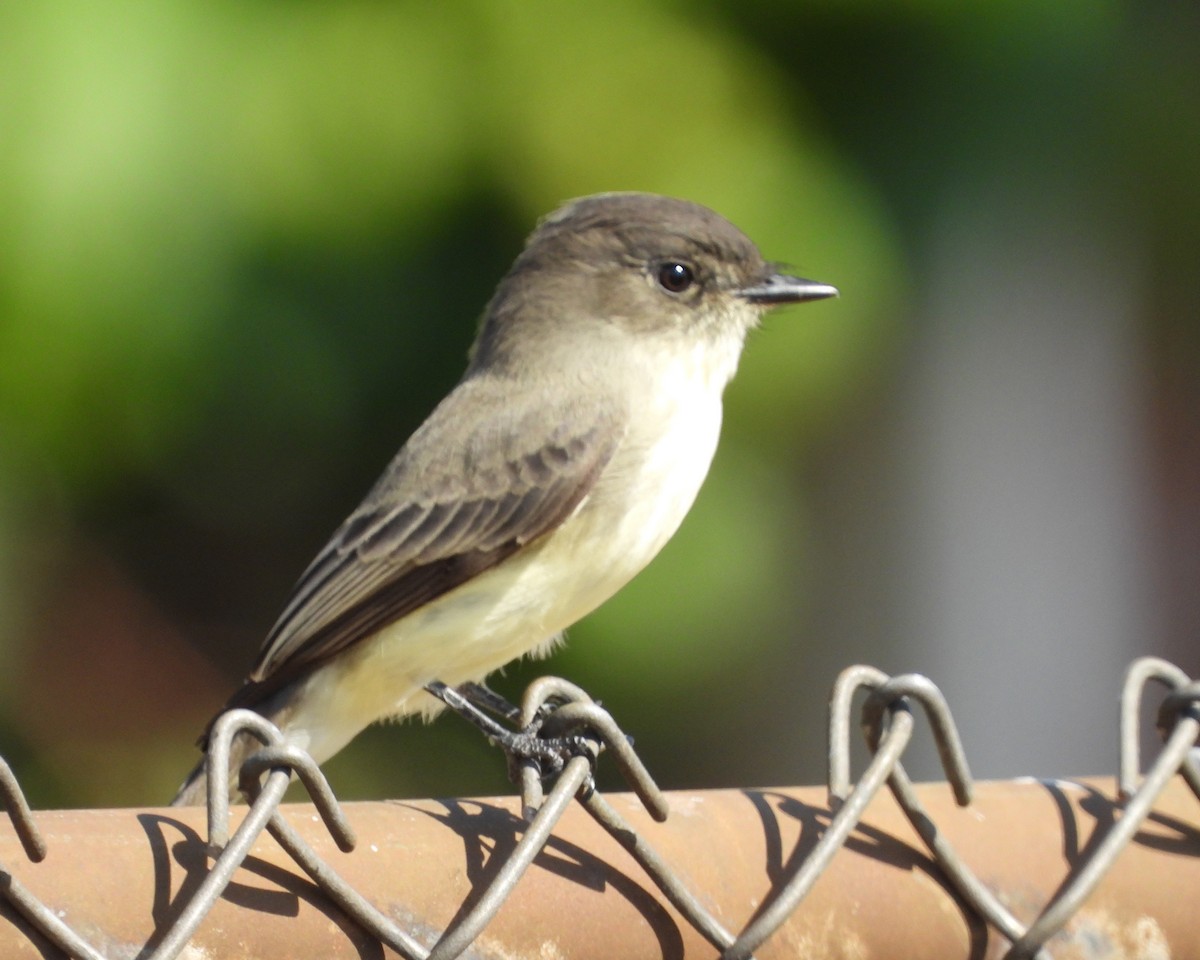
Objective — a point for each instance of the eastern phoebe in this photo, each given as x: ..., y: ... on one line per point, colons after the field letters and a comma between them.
x: 565, y: 458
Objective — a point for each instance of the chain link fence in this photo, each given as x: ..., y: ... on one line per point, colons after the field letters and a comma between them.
x: 715, y: 880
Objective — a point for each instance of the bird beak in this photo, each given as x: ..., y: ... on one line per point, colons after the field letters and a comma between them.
x: 779, y: 288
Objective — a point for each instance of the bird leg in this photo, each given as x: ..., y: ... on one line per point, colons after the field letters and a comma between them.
x: 479, y: 706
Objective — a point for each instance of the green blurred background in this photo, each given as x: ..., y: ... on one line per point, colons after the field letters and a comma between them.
x: 243, y: 247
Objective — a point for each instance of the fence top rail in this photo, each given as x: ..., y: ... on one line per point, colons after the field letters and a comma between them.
x: 1090, y: 867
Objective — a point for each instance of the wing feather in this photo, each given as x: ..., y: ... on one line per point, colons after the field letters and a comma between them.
x: 457, y: 500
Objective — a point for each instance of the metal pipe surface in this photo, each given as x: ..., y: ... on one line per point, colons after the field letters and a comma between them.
x: 117, y: 876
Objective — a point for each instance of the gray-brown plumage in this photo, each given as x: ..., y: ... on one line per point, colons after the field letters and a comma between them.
x: 555, y: 470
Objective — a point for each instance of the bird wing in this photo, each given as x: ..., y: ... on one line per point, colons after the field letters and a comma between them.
x: 483, y: 476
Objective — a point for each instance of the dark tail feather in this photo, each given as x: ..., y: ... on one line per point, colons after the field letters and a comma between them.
x: 271, y: 699
x: 193, y: 792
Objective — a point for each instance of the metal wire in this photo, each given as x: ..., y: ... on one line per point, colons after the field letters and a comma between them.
x: 672, y: 886
x: 221, y: 872
x: 849, y: 813
x: 1137, y: 679
x: 555, y: 713
x: 456, y: 940
x: 46, y: 921
x: 291, y: 757
x: 889, y: 696
x: 20, y: 815
x: 353, y: 903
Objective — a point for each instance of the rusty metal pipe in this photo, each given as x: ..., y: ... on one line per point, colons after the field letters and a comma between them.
x: 117, y: 876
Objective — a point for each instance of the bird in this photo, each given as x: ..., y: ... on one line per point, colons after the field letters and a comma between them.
x: 560, y: 464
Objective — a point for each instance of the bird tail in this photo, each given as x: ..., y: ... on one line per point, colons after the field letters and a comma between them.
x: 272, y: 700
x: 193, y: 792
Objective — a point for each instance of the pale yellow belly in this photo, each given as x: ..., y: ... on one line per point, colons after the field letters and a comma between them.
x: 523, y: 604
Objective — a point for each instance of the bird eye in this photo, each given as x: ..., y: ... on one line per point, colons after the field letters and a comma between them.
x: 675, y: 277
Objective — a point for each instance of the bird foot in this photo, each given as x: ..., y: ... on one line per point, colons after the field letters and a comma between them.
x: 524, y: 748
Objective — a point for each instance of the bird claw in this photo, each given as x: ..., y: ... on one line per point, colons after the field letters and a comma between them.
x: 546, y: 755
x: 525, y: 748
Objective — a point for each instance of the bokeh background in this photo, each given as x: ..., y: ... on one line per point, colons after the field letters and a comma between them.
x: 243, y: 248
